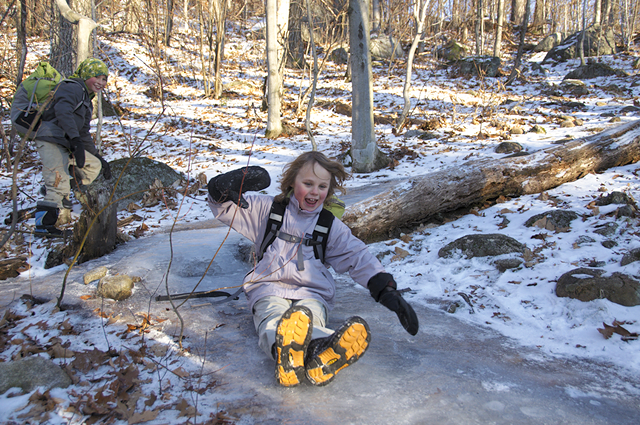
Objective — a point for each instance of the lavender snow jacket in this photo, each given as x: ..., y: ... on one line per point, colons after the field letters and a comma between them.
x: 277, y: 273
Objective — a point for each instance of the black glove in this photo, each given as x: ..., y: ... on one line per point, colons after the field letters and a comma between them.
x: 106, y: 168
x: 227, y: 186
x: 77, y: 150
x: 384, y: 290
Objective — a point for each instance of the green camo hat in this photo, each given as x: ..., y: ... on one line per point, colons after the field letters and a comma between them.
x: 91, y: 68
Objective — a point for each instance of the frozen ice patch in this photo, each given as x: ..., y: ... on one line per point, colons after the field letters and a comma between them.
x: 577, y: 393
x: 497, y: 387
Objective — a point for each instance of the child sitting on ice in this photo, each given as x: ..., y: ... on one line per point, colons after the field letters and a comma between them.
x: 290, y: 290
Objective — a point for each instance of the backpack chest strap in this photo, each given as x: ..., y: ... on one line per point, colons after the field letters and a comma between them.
x: 298, y: 240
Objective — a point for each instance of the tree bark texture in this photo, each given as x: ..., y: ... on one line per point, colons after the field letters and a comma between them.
x: 476, y: 182
x: 420, y: 14
x: 101, y: 237
x: 21, y: 42
x: 364, y: 150
x: 277, y: 17
x: 498, y: 39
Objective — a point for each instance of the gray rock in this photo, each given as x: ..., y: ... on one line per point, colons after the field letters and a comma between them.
x: 451, y: 51
x: 492, y: 244
x: 630, y: 257
x: 507, y: 264
x: 549, y: 42
x: 614, y: 198
x: 583, y: 239
x: 508, y: 147
x: 606, y: 229
x: 117, y: 287
x: 139, y: 175
x: 589, y: 284
x: 556, y: 220
x: 412, y: 133
x: 385, y: 47
x: 95, y: 274
x: 30, y: 373
x: 574, y: 87
x: 538, y: 129
x: 609, y: 244
x: 594, y: 70
x: 485, y: 66
x: 339, y: 56
x: 596, y: 42
x: 626, y: 211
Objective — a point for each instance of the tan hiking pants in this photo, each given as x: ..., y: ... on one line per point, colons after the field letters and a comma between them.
x: 55, y: 172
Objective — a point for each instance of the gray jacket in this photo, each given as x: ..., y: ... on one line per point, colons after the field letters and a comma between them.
x: 277, y: 273
x: 69, y: 116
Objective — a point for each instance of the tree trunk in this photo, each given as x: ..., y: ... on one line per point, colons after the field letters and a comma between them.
x: 297, y: 14
x: 597, y: 12
x: 479, y: 27
x: 220, y: 8
x: 584, y: 29
x: 517, y: 11
x: 100, y: 237
x: 475, y: 182
x: 523, y: 31
x: 420, y: 14
x: 539, y: 15
x: 498, y: 42
x: 63, y: 49
x: 314, y: 145
x: 21, y: 41
x: 277, y: 17
x: 84, y: 46
x: 168, y: 23
x: 376, y: 15
x: 132, y: 11
x: 364, y: 150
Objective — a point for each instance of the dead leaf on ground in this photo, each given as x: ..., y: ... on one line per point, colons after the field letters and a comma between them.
x: 616, y: 327
x: 147, y: 415
x: 400, y: 254
x: 180, y: 372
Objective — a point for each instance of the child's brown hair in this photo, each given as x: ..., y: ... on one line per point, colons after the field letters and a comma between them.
x: 291, y: 170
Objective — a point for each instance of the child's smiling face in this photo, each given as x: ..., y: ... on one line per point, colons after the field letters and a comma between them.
x: 311, y: 186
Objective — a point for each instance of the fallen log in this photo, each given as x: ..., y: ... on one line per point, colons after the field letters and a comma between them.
x: 475, y: 182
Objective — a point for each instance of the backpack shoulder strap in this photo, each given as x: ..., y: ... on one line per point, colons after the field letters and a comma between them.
x: 84, y: 94
x: 321, y: 233
x: 274, y: 222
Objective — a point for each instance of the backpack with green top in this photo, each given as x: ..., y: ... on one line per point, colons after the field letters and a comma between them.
x: 32, y: 97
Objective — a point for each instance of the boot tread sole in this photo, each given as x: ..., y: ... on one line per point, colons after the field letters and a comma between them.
x: 351, y: 344
x: 292, y: 337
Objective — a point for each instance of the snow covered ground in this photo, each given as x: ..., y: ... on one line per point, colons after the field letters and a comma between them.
x: 194, y: 135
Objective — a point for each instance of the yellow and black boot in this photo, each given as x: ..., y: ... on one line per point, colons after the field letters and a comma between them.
x: 293, y: 334
x: 328, y: 356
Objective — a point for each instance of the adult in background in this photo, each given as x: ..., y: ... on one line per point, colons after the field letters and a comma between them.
x: 67, y: 151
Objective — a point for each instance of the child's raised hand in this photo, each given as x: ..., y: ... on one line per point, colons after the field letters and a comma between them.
x: 230, y: 186
x: 383, y: 289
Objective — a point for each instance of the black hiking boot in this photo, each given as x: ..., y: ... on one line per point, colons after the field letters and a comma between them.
x: 328, y: 356
x: 46, y: 218
x: 66, y: 202
x: 293, y: 334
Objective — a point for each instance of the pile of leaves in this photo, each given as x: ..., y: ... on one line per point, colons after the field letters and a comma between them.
x: 120, y: 371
